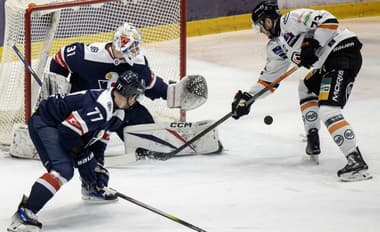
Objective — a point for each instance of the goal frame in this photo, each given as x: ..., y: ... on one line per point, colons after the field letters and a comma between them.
x: 28, y: 44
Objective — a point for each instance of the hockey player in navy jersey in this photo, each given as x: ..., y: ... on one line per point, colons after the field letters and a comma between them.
x: 311, y: 38
x: 97, y: 66
x: 71, y: 131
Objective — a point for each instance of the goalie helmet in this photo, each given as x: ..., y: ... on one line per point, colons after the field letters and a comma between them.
x: 126, y: 40
x: 129, y: 84
x: 266, y: 9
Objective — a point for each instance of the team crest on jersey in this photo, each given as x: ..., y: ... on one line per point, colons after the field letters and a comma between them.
x: 108, y: 75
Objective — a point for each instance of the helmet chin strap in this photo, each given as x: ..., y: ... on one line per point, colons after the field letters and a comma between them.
x: 275, y: 30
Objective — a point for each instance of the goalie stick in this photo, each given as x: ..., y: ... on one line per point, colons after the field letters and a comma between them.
x: 140, y: 152
x: 157, y: 211
x: 22, y: 58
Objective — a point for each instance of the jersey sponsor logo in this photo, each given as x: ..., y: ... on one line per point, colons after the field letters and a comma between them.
x: 307, y: 18
x: 311, y: 116
x: 334, y: 120
x: 291, y: 39
x: 278, y: 51
x: 339, y: 140
x: 349, y: 134
x: 325, y: 88
x: 94, y: 49
x: 338, y: 86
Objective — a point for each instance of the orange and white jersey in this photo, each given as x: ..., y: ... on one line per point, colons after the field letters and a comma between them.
x: 286, y: 48
x: 307, y: 23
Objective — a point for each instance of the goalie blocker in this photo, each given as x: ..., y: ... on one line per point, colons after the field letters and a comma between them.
x: 168, y: 136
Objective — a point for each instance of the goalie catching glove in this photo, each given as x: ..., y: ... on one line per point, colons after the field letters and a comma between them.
x: 189, y: 93
x: 239, y: 104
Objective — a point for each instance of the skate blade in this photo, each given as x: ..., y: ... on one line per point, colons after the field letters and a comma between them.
x: 356, y: 176
x: 97, y: 200
x: 315, y: 159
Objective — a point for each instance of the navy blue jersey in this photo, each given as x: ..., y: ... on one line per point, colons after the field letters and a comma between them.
x: 91, y: 67
x: 81, y: 115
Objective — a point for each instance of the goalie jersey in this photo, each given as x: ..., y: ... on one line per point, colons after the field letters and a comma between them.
x: 286, y: 48
x: 93, y: 66
x: 80, y: 116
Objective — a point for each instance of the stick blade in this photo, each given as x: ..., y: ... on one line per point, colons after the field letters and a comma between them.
x: 142, y: 153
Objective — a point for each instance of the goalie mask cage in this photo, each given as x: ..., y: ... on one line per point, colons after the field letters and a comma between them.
x: 40, y: 28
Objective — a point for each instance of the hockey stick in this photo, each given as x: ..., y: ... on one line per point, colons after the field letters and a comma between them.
x: 140, y: 152
x: 22, y: 58
x: 157, y: 211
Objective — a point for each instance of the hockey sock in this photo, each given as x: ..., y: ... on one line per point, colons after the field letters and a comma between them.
x: 309, y: 107
x: 43, y: 190
x: 339, y: 129
x: 310, y: 113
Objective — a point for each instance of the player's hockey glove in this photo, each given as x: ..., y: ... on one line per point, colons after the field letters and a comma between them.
x: 86, y: 164
x: 102, y: 176
x: 308, y: 57
x: 239, y: 104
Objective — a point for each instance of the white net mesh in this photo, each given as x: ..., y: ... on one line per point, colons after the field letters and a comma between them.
x: 158, y: 20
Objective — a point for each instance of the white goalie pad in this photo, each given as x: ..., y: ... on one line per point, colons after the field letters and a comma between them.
x: 189, y: 93
x: 168, y: 136
x: 21, y: 145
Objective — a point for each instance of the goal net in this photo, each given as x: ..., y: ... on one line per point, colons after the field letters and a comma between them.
x: 40, y: 28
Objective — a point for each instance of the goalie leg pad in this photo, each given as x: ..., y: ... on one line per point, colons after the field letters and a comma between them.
x: 21, y: 145
x: 168, y: 136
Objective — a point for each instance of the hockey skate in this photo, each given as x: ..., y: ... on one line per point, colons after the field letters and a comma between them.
x: 95, y: 195
x: 24, y: 220
x: 312, y: 146
x: 355, y: 170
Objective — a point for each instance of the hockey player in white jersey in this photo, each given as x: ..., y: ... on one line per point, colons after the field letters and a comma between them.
x: 311, y: 38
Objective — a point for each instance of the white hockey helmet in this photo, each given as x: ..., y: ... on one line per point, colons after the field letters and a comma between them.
x: 126, y: 40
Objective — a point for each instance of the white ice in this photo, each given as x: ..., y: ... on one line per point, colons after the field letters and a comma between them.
x: 261, y: 182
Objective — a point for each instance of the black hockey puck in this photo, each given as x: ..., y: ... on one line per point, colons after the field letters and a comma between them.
x: 268, y: 120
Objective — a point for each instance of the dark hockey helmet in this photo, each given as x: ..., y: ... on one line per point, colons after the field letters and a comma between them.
x: 266, y: 9
x: 129, y: 84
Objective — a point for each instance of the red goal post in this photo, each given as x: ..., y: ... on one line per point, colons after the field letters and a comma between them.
x: 51, y: 24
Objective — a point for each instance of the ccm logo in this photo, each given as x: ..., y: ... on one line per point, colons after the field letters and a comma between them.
x: 180, y: 124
